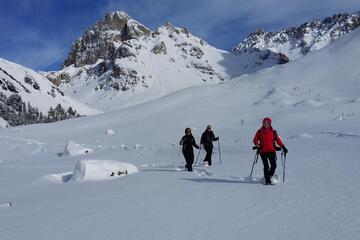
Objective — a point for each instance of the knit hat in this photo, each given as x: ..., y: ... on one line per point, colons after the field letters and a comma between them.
x: 267, y: 119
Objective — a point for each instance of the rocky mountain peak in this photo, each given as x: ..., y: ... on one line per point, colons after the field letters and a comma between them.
x: 260, y: 31
x: 114, y: 21
x: 168, y: 24
x: 100, y: 41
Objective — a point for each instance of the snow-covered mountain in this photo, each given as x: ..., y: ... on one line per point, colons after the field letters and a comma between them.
x: 120, y: 62
x: 296, y: 42
x: 35, y: 89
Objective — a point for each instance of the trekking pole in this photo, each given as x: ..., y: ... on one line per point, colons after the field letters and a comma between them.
x: 283, y: 159
x: 255, y: 160
x: 197, y: 156
x: 219, y: 150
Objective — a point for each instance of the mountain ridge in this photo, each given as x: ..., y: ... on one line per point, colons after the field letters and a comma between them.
x: 298, y: 41
x: 120, y: 62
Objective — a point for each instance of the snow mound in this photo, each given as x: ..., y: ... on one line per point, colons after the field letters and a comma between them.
x: 110, y: 132
x: 94, y: 170
x: 123, y: 146
x: 138, y: 146
x: 74, y: 149
x: 5, y: 205
x: 99, y: 170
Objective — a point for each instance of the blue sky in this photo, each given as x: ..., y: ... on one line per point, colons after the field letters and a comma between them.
x: 39, y: 33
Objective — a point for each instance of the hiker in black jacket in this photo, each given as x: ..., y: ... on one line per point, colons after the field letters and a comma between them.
x: 207, y: 139
x: 188, y: 142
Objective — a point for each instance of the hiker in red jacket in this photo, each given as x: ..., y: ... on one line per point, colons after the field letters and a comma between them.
x: 265, y: 139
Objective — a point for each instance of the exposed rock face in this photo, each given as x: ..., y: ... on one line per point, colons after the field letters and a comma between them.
x: 298, y: 41
x: 196, y: 52
x: 102, y: 39
x: 283, y: 58
x: 58, y: 79
x: 159, y: 48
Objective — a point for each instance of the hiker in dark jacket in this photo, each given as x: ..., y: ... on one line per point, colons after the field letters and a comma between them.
x: 188, y: 142
x: 207, y: 139
x: 265, y: 139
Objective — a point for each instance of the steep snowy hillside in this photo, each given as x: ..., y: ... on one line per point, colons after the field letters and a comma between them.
x: 296, y: 42
x: 315, y: 106
x: 119, y: 62
x: 17, y: 81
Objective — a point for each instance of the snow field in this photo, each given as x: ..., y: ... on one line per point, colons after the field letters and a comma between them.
x: 319, y: 199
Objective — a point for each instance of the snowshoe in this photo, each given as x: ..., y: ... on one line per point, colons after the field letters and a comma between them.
x: 274, y: 180
x: 266, y: 182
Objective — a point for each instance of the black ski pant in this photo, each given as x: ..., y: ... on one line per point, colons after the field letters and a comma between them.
x: 189, y: 158
x: 209, y: 150
x: 269, y: 161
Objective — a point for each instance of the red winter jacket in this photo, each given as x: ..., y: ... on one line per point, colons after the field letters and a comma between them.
x: 267, y: 138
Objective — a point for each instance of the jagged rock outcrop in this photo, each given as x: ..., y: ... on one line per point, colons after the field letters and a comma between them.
x: 159, y: 48
x: 102, y: 39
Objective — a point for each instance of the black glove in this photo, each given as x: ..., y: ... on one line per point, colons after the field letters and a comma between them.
x: 197, y: 146
x: 255, y: 147
x: 217, y: 138
x: 285, y: 150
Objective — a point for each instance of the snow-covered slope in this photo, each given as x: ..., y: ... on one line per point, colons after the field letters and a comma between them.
x: 36, y: 89
x: 315, y: 106
x: 298, y: 41
x: 119, y: 62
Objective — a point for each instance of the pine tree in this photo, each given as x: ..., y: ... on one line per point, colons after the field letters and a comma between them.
x: 71, y: 113
x: 59, y: 113
x: 51, y: 115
